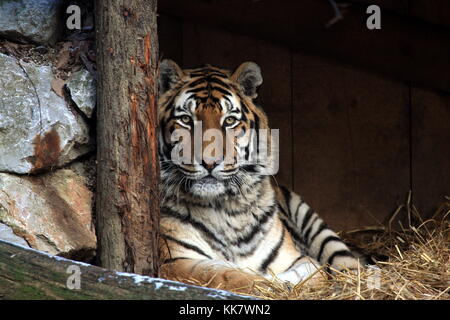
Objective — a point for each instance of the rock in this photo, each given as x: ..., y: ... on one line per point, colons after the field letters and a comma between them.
x: 32, y: 138
x: 7, y: 234
x: 87, y: 168
x: 30, y: 20
x: 41, y: 49
x: 52, y: 212
x: 81, y: 86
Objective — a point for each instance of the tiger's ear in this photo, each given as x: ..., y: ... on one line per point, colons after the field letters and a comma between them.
x: 169, y: 75
x: 248, y: 76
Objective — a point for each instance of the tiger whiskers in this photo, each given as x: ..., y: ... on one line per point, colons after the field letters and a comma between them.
x: 171, y: 184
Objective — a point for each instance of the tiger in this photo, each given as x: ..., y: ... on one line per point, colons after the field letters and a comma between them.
x: 228, y: 224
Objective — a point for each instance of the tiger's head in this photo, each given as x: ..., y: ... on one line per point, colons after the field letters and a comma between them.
x: 209, y: 130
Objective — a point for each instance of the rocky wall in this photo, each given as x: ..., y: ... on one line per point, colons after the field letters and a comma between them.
x: 47, y: 143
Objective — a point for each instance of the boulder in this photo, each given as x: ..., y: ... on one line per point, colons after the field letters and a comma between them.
x: 30, y: 20
x: 38, y: 129
x: 87, y: 168
x: 52, y: 212
x: 81, y: 86
x: 7, y: 234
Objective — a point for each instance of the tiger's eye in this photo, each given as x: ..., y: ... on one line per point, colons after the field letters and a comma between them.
x: 186, y: 119
x: 230, y: 121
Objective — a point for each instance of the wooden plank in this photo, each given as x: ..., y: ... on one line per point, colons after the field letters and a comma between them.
x: 351, y: 142
x: 436, y: 12
x: 204, y: 45
x: 430, y: 149
x: 395, y: 6
x: 28, y: 274
x: 404, y: 49
x: 170, y: 35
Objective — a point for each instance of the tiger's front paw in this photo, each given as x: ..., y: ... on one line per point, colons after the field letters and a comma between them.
x: 300, y: 272
x: 345, y: 264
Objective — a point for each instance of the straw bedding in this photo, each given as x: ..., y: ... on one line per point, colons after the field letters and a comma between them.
x: 411, y: 263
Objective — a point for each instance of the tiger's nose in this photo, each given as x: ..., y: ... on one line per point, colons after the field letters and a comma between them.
x: 209, y: 164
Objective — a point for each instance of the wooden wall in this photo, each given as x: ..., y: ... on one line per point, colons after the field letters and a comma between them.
x: 352, y: 143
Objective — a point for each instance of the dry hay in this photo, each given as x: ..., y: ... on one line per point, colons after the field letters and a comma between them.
x: 417, y: 265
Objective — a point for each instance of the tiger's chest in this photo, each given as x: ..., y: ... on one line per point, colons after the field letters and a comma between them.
x: 244, y: 238
x: 245, y: 231
x: 237, y: 233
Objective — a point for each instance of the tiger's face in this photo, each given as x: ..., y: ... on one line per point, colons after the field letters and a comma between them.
x: 208, y: 129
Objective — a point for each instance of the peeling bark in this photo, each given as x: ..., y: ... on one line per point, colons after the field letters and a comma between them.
x: 128, y: 172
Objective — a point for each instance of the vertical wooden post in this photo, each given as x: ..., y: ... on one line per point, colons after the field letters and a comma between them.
x: 128, y: 169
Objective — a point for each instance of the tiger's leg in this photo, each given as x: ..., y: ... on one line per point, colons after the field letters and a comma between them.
x: 321, y: 243
x: 213, y: 274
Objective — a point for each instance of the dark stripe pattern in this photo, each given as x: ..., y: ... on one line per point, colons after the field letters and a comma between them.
x: 187, y: 245
x: 273, y: 254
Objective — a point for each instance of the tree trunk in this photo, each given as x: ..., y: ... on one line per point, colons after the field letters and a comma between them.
x: 27, y: 274
x: 128, y: 169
